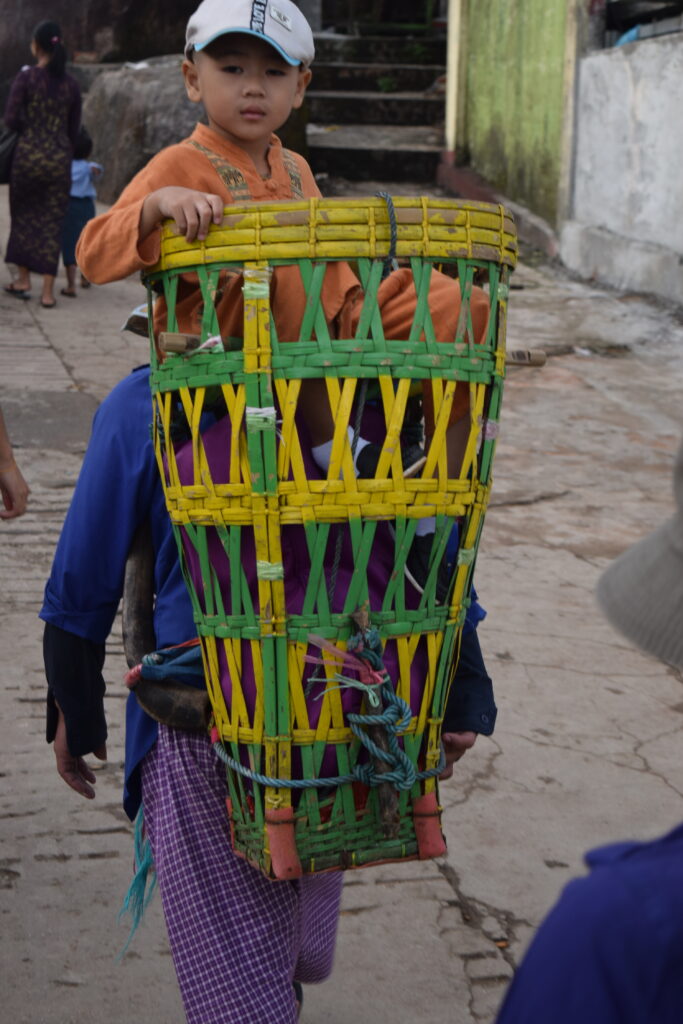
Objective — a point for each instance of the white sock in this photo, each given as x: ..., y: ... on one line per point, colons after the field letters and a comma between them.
x: 322, y: 452
x: 425, y: 526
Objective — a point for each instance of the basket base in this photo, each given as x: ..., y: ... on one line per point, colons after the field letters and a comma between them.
x: 275, y: 854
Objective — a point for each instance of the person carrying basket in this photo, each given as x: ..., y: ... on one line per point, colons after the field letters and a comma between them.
x: 240, y: 943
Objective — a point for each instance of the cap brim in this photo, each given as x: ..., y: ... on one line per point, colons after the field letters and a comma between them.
x: 641, y: 592
x: 248, y: 32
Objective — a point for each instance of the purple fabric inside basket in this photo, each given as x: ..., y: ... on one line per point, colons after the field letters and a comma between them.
x: 296, y: 563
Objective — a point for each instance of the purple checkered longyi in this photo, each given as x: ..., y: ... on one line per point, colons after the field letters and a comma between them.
x: 238, y: 940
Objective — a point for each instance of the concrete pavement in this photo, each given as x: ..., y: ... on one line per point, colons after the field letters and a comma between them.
x: 588, y: 744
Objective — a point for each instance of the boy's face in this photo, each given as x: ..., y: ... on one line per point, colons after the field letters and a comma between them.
x: 247, y: 89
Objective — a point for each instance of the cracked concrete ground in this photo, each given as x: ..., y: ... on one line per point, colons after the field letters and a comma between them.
x: 588, y: 742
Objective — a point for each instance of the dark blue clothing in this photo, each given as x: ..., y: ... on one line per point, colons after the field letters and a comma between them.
x: 118, y: 489
x: 611, y: 950
x: 80, y: 210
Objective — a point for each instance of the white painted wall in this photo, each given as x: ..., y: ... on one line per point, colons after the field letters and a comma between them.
x: 626, y: 225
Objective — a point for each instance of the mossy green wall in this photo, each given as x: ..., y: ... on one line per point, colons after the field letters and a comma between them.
x: 513, y: 72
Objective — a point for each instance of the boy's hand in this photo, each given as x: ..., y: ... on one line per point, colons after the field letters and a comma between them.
x: 192, y: 211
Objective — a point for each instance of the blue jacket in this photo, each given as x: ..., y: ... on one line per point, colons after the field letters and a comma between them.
x: 611, y: 950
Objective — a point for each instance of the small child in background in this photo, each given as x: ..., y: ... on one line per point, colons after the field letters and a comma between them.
x: 81, y: 208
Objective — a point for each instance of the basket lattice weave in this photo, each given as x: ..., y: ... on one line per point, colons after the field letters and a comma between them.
x: 303, y: 792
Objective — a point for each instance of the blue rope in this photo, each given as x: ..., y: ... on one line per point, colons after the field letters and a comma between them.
x: 139, y: 893
x: 361, y: 773
x: 395, y: 718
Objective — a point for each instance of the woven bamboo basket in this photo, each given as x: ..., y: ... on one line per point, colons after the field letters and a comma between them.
x: 327, y: 671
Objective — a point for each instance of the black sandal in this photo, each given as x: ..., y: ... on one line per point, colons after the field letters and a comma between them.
x: 18, y: 293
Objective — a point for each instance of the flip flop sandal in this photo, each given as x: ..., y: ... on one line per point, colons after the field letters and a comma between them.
x: 48, y: 305
x: 18, y: 293
x: 299, y: 993
x: 69, y: 295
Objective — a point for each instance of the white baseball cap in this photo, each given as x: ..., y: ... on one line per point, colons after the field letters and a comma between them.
x: 278, y: 22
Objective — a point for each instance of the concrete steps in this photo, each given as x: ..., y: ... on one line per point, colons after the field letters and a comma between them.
x: 375, y: 77
x: 365, y: 107
x: 334, y: 48
x: 361, y: 152
x: 376, y: 108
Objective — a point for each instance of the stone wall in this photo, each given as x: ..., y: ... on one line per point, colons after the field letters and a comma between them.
x: 132, y: 114
x: 626, y: 226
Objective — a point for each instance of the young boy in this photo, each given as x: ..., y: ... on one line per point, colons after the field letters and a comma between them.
x: 248, y: 63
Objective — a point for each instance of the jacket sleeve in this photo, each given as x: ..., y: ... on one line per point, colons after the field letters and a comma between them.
x: 470, y: 706
x: 73, y: 668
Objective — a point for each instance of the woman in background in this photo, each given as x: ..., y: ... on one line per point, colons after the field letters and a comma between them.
x: 44, y: 106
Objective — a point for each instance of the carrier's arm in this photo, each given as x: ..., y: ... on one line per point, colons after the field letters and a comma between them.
x: 112, y: 495
x: 471, y: 708
x: 471, y: 705
x: 73, y: 667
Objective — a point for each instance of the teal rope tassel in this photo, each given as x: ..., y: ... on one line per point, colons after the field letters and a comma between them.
x: 144, y: 882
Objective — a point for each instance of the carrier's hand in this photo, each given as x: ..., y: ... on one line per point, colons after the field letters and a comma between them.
x: 192, y: 211
x: 455, y: 744
x: 74, y: 770
x: 13, y: 489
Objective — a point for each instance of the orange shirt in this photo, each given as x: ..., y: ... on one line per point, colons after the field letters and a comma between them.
x: 109, y: 248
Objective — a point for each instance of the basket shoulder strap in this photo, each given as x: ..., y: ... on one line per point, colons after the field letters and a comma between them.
x: 292, y: 168
x: 234, y: 180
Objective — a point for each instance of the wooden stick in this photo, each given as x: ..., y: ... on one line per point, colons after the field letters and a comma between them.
x: 525, y: 357
x: 174, y: 341
x: 387, y: 795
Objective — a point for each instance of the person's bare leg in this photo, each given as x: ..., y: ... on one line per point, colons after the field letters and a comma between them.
x: 315, y: 408
x: 22, y: 282
x: 48, y: 296
x: 70, y: 269
x: 457, y: 436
